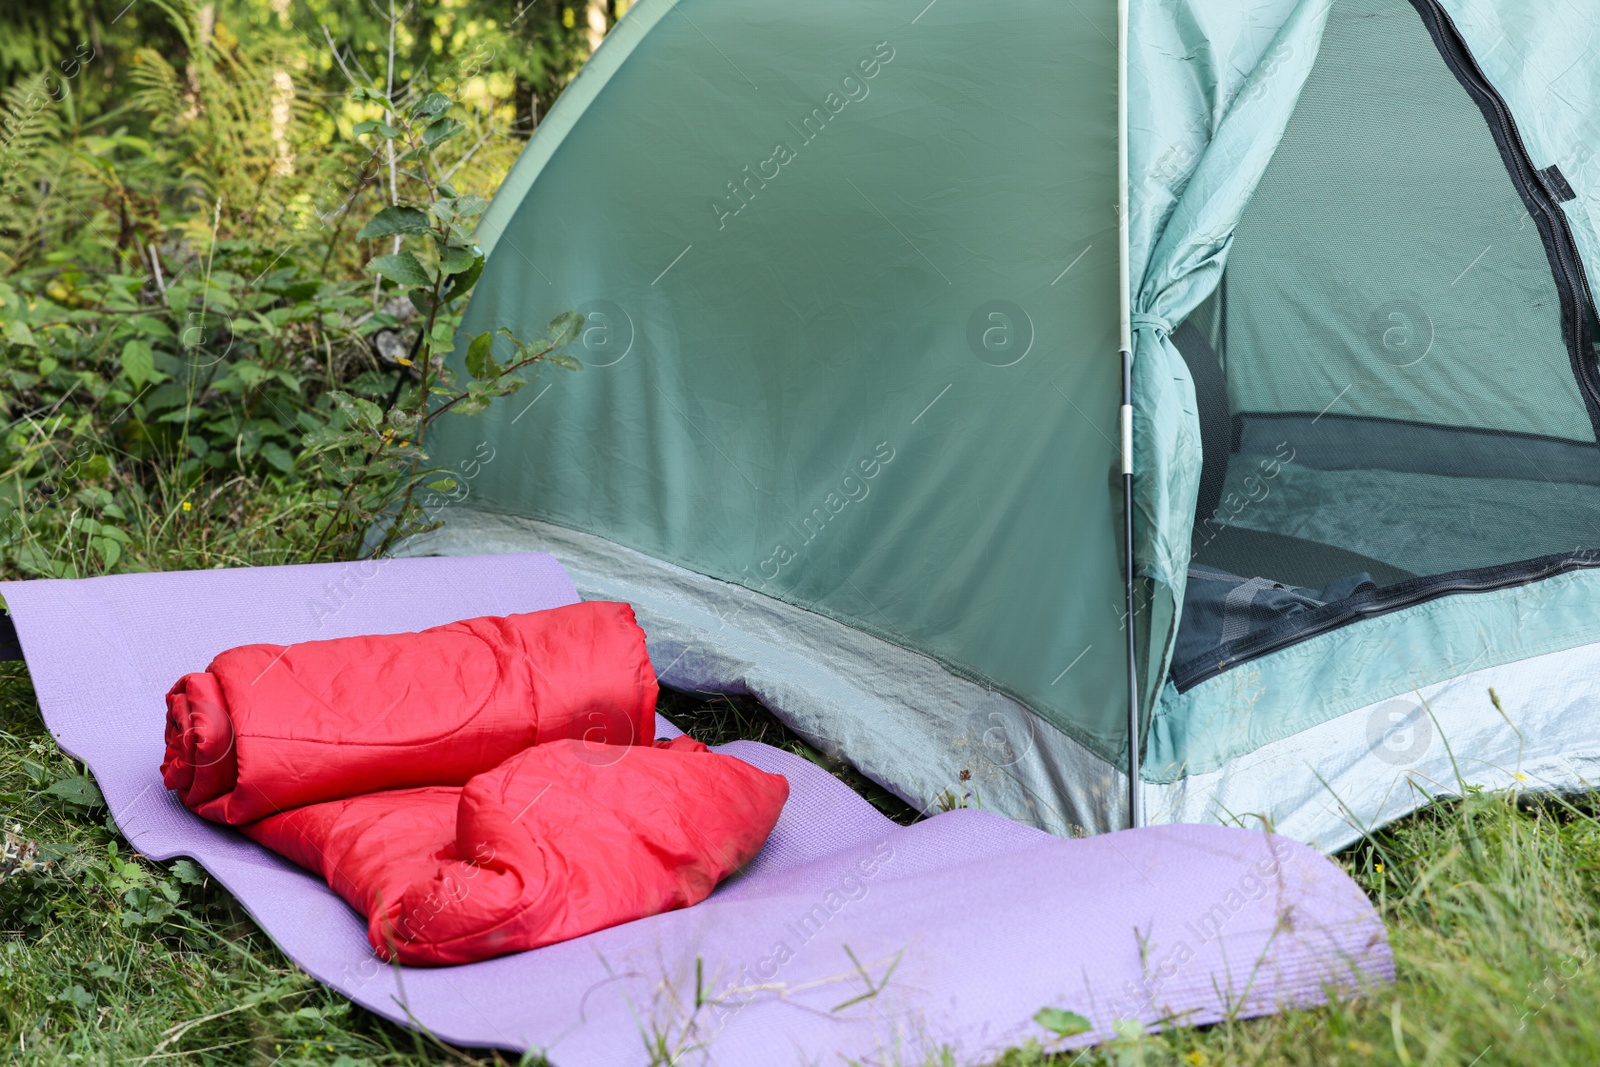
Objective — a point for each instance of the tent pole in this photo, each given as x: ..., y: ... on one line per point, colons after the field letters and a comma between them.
x: 1135, y: 794
x: 1125, y: 314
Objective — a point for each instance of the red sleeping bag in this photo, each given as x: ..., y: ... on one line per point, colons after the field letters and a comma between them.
x: 559, y: 840
x: 474, y: 789
x: 270, y: 727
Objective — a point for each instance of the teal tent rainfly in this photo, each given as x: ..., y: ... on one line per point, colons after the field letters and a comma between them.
x: 1069, y: 409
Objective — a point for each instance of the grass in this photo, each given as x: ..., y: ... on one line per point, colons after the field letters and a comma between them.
x: 107, y: 958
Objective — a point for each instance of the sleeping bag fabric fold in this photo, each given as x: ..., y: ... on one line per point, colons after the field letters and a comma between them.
x: 267, y: 728
x: 560, y: 840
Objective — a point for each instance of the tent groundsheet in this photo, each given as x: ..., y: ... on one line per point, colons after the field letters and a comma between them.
x: 847, y: 935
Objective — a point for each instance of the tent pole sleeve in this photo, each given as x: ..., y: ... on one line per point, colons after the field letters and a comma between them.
x: 1124, y: 272
x: 1125, y: 317
x: 1135, y: 794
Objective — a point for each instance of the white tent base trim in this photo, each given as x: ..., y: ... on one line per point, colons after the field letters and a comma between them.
x: 1330, y: 784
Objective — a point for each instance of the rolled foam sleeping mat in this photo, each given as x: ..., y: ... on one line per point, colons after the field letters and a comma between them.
x: 561, y: 840
x: 266, y: 728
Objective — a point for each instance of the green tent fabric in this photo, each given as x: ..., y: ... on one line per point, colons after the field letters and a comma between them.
x: 847, y: 425
x: 1463, y: 261
x: 1541, y: 58
x: 1209, y: 124
x: 863, y: 353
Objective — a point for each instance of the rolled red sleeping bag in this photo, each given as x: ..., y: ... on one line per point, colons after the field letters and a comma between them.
x: 560, y: 840
x: 267, y: 728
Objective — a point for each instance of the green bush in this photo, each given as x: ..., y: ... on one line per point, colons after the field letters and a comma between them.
x: 225, y: 314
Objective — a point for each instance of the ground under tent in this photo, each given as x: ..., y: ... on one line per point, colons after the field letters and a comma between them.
x: 848, y: 432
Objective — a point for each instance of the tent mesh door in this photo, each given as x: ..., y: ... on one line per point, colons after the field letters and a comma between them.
x: 1388, y: 367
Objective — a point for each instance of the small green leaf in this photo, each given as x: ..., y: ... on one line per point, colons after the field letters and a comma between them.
x: 250, y: 373
x: 360, y: 411
x: 516, y: 342
x: 108, y: 550
x: 17, y: 333
x: 402, y: 268
x: 461, y: 283
x: 441, y: 130
x: 77, y: 790
x: 422, y: 300
x: 432, y: 104
x: 443, y: 485
x: 278, y: 456
x: 383, y: 129
x: 480, y: 362
x: 393, y: 222
x: 564, y: 328
x: 75, y: 995
x: 1065, y: 1023
x: 456, y: 260
x: 1128, y: 1029
x: 470, y: 206
x: 187, y: 872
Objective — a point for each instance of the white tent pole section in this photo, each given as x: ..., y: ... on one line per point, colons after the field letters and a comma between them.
x: 1125, y: 317
x: 1125, y: 286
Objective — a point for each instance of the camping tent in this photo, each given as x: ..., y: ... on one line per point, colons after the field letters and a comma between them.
x: 849, y: 431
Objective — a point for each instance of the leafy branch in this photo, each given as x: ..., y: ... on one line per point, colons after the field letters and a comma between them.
x: 376, y: 455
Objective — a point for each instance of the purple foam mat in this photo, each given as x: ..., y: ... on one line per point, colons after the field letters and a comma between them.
x: 847, y: 935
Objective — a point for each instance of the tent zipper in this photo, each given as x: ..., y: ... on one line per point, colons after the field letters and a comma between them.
x: 1567, y: 264
x: 1408, y: 594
